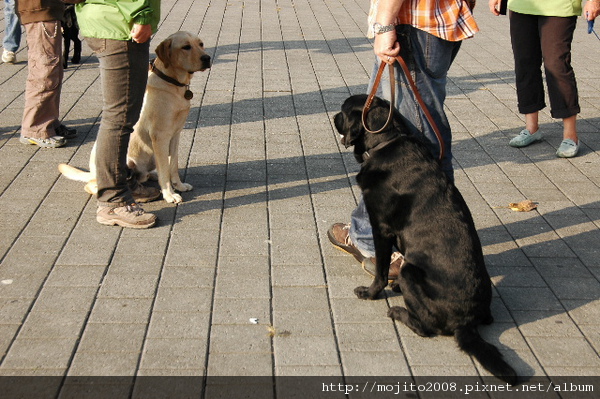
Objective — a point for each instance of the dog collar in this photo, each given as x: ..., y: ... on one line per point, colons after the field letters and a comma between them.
x: 188, y: 95
x: 367, y: 154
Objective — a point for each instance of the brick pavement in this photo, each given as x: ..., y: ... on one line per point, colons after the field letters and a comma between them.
x: 240, y: 279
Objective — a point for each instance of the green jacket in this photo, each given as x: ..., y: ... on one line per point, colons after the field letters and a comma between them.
x: 548, y: 8
x: 114, y: 19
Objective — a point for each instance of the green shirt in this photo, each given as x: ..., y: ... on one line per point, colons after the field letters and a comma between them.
x: 114, y: 19
x: 548, y: 8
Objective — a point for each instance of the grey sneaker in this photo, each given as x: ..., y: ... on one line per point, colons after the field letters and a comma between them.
x: 132, y: 216
x: 525, y: 138
x: 52, y: 142
x: 9, y: 57
x: 568, y: 149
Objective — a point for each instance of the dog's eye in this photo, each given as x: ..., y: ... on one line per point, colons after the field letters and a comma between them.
x: 187, y: 47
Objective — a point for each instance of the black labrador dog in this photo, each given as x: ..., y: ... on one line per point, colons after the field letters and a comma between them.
x: 71, y: 34
x: 413, y: 205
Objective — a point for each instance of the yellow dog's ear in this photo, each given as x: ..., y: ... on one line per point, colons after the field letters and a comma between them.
x: 163, y: 52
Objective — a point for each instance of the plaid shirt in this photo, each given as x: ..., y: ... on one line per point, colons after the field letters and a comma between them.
x: 447, y: 19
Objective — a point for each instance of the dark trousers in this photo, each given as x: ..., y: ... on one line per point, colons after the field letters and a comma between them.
x: 124, y: 74
x: 536, y: 40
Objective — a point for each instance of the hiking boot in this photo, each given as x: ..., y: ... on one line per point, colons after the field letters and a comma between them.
x: 66, y: 132
x: 339, y: 235
x: 143, y: 194
x: 52, y: 142
x: 396, y: 262
x: 132, y: 216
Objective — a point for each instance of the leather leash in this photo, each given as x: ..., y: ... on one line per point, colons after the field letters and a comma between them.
x: 418, y: 97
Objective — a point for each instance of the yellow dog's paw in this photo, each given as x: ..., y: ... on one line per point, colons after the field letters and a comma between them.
x: 172, y: 198
x: 183, y: 186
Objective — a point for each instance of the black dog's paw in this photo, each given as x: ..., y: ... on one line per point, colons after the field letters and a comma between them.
x: 76, y: 59
x: 398, y: 313
x: 363, y: 293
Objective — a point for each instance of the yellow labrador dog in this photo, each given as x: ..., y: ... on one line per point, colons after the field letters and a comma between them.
x: 155, y: 139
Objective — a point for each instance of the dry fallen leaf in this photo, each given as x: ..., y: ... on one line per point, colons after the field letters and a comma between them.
x: 523, y: 206
x: 274, y: 333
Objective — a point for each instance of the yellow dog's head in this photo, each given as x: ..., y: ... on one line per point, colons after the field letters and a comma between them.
x: 183, y: 50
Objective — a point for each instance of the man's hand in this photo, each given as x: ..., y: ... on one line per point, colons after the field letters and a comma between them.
x: 141, y: 33
x: 591, y: 10
x: 494, y: 7
x: 386, y: 47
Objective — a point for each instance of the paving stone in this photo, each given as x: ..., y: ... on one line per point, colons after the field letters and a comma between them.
x: 240, y: 364
x: 552, y: 351
x: 376, y: 364
x: 170, y: 324
x: 235, y: 338
x: 241, y: 310
x: 115, y: 364
x: 174, y: 353
x: 121, y: 310
x: 53, y: 325
x: 44, y: 353
x: 112, y: 337
x: 305, y: 350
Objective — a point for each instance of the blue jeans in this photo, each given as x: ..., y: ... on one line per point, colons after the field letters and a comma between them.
x: 428, y: 58
x: 12, y: 33
x: 124, y: 74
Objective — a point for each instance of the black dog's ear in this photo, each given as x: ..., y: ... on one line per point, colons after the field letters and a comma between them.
x: 355, y: 128
x: 349, y: 121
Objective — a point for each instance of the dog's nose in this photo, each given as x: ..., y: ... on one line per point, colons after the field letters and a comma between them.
x: 205, y: 59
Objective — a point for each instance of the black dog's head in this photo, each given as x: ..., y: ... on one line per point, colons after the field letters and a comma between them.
x: 349, y: 124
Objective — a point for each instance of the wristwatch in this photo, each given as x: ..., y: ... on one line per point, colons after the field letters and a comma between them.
x: 379, y: 29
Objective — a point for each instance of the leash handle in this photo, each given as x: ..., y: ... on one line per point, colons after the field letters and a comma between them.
x: 371, y: 96
x: 416, y: 92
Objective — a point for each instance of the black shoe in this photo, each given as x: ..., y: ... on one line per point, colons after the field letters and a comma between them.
x: 66, y: 132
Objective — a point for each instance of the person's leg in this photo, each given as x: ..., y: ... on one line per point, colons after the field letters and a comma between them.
x: 430, y: 59
x: 123, y: 72
x: 570, y: 128
x: 527, y: 55
x: 532, y: 122
x: 12, y: 33
x: 44, y: 80
x: 556, y: 37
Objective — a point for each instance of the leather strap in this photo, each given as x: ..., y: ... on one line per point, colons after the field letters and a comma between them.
x: 188, y: 95
x: 371, y: 96
x: 418, y: 97
x: 164, y: 77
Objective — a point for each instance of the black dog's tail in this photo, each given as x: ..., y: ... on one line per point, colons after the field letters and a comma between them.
x: 488, y: 355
